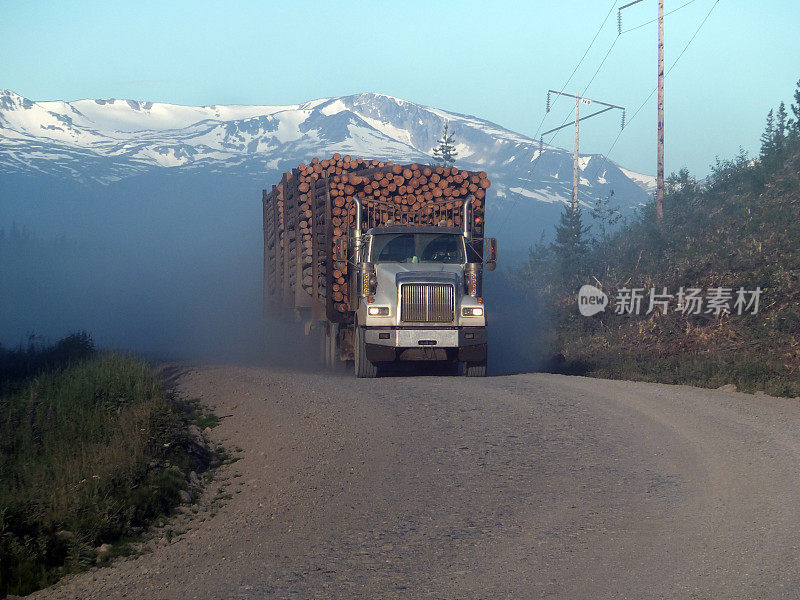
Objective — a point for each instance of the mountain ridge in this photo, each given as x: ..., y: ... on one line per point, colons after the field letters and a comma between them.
x: 104, y: 141
x: 65, y: 121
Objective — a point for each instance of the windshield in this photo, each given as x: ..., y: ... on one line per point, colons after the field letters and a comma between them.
x: 417, y: 248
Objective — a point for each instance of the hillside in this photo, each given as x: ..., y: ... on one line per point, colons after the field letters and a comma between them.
x: 738, y: 231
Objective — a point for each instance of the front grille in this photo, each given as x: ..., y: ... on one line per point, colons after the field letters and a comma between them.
x: 427, y: 302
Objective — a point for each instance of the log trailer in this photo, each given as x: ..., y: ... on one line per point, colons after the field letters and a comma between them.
x: 383, y: 262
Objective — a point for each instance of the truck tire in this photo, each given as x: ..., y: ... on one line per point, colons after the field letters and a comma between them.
x: 363, y: 367
x: 475, y: 369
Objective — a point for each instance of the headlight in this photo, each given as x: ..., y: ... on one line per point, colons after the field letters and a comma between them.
x: 472, y: 312
x: 378, y: 311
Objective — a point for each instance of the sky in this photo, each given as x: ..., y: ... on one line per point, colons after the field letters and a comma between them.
x: 495, y: 60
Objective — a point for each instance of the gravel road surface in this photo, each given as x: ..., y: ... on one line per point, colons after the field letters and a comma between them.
x: 522, y: 486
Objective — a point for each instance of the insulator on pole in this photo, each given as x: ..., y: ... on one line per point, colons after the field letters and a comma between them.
x: 619, y: 21
x: 547, y: 108
x: 541, y: 145
x: 623, y: 119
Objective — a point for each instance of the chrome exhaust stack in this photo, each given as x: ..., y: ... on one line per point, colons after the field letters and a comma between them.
x: 466, y: 214
x: 357, y: 232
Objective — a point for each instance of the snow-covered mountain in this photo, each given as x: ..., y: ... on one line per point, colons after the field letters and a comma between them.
x: 108, y: 141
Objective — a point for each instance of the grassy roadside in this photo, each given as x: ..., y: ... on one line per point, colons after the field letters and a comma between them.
x: 91, y: 447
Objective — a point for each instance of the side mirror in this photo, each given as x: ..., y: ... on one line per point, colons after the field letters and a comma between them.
x: 490, y: 252
x: 340, y: 255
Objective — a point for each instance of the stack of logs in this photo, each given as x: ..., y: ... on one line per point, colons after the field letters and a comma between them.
x: 312, y: 209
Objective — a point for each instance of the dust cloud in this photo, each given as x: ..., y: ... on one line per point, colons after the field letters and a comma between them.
x: 169, y: 272
x: 171, y: 268
x: 516, y: 325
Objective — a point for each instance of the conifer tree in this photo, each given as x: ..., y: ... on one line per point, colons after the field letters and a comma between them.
x: 445, y: 152
x: 780, y: 129
x: 768, y: 137
x: 571, y: 244
x: 794, y: 133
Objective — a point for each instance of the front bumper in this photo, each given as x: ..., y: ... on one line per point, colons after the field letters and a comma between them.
x: 454, y: 343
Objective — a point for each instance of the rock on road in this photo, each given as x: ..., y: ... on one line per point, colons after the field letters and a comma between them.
x: 522, y: 486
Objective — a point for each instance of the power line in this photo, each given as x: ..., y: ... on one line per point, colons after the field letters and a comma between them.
x: 597, y: 71
x: 580, y: 62
x: 602, y: 62
x: 566, y: 83
x: 563, y: 123
x: 566, y: 118
x: 569, y: 114
x: 674, y: 10
x: 650, y: 95
x: 600, y: 66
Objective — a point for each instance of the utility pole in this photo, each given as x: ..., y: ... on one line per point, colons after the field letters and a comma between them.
x: 660, y: 166
x: 576, y: 158
x: 660, y: 143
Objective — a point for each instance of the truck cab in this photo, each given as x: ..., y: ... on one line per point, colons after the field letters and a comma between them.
x: 419, y: 298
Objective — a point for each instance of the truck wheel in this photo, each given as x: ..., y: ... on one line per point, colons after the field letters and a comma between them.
x: 363, y: 367
x: 475, y: 369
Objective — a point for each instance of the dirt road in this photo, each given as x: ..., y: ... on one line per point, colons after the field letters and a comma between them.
x: 525, y: 486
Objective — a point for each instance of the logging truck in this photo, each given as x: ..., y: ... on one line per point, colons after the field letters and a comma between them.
x: 381, y: 262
